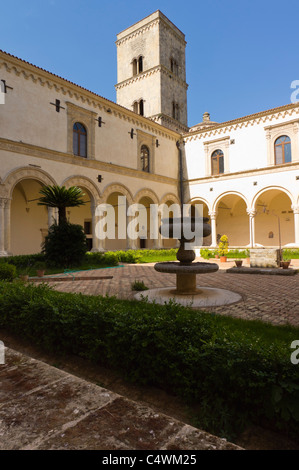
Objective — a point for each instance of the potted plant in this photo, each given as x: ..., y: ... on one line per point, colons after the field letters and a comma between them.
x: 40, y: 268
x: 285, y: 263
x: 24, y: 274
x: 223, y: 248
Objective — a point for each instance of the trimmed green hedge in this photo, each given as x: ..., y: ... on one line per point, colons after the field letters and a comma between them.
x: 288, y: 253
x: 8, y: 272
x: 207, y: 254
x: 107, y: 258
x: 234, y: 370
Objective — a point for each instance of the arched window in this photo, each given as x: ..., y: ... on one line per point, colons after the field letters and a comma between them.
x: 217, y: 162
x: 135, y: 106
x: 138, y: 107
x: 134, y: 66
x: 283, y: 152
x: 137, y: 65
x: 79, y: 140
x: 175, y: 111
x: 145, y: 158
x: 174, y: 67
x: 141, y: 108
x: 140, y: 64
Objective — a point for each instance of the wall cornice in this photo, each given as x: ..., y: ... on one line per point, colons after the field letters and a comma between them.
x: 53, y: 155
x: 43, y: 78
x: 148, y: 73
x: 246, y: 121
x: 150, y: 25
x: 245, y: 173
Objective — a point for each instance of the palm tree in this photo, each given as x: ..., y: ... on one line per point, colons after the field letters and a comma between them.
x: 61, y: 197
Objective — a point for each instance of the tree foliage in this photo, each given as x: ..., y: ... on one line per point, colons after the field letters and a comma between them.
x: 61, y: 197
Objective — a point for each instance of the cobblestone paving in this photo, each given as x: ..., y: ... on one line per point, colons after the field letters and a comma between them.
x: 270, y: 298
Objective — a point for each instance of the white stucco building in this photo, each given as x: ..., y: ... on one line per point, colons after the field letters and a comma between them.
x: 245, y: 172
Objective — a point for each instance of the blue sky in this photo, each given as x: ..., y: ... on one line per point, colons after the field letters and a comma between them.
x: 242, y: 55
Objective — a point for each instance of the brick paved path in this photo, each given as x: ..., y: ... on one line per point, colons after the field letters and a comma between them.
x: 264, y: 297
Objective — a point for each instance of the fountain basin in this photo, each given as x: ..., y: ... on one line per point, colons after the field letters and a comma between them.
x: 204, y: 297
x: 186, y: 274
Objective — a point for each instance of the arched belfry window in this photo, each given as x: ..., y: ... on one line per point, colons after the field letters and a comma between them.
x: 137, y: 65
x: 175, y: 111
x: 145, y: 158
x: 174, y: 67
x: 138, y: 107
x: 79, y: 140
x: 134, y: 63
x: 141, y: 108
x: 217, y: 162
x: 140, y: 64
x: 283, y: 151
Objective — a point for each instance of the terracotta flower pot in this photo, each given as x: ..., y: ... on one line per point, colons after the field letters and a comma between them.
x: 285, y: 264
x: 40, y: 272
x: 238, y: 262
x: 223, y: 259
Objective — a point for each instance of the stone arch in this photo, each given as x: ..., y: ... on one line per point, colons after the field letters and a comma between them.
x: 15, y: 176
x: 230, y: 210
x: 146, y: 193
x: 274, y: 220
x: 269, y: 188
x: 117, y: 188
x: 228, y: 193
x: 83, y: 181
x: 169, y: 197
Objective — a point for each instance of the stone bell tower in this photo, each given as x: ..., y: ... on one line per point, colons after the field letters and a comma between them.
x: 151, y: 71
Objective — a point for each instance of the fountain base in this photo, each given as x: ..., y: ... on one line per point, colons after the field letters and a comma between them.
x: 202, y: 297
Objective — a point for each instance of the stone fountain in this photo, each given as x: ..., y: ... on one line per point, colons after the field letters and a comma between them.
x: 186, y: 270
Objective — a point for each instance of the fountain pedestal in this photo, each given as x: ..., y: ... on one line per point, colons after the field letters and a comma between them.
x: 186, y: 270
x: 186, y: 275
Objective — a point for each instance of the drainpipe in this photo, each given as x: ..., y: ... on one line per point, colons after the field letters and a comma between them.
x: 178, y: 144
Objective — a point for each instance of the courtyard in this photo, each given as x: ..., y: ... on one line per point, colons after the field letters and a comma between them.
x: 269, y: 298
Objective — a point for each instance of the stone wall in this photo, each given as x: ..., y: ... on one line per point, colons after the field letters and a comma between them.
x: 265, y: 258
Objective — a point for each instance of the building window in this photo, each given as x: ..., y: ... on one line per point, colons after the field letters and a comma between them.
x: 145, y: 158
x: 140, y: 64
x: 141, y: 108
x: 283, y: 153
x: 138, y: 107
x: 79, y: 140
x: 174, y: 67
x: 217, y: 162
x: 175, y: 111
x: 137, y: 65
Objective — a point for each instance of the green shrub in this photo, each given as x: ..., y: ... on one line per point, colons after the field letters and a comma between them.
x: 108, y: 258
x: 65, y: 245
x: 129, y: 256
x: 223, y: 246
x: 234, y: 370
x: 207, y: 253
x: 288, y: 253
x: 8, y: 272
x: 23, y: 261
x: 138, y: 286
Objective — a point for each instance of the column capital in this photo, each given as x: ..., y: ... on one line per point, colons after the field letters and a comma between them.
x: 251, y: 212
x: 213, y: 214
x: 295, y: 209
x: 4, y: 201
